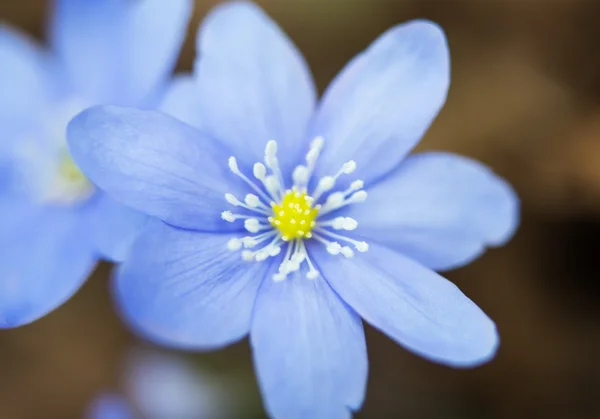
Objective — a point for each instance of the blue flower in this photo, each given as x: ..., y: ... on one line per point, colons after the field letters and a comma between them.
x: 160, y: 386
x: 289, y: 221
x: 54, y: 224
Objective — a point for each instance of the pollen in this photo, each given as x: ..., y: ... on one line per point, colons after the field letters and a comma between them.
x: 295, y: 215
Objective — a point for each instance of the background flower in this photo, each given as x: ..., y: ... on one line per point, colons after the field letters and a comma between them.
x: 161, y: 386
x: 183, y: 286
x: 54, y: 224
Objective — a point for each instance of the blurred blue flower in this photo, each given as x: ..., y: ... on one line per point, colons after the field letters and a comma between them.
x: 160, y: 386
x: 54, y: 224
x: 354, y: 228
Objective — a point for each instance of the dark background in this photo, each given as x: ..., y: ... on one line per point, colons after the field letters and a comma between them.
x: 525, y: 99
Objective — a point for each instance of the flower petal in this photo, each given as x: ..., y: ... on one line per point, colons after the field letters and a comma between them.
x: 382, y: 103
x: 45, y: 258
x: 309, y: 350
x: 114, y: 227
x: 419, y: 309
x: 119, y: 51
x: 110, y: 406
x: 186, y: 289
x: 255, y: 84
x: 440, y: 209
x: 155, y: 164
x: 182, y: 100
x: 24, y: 79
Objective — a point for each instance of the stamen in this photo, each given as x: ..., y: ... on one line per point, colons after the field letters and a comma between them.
x: 292, y: 214
x: 254, y: 226
x: 234, y: 244
x: 233, y: 166
x: 336, y: 201
x: 273, y: 163
x: 360, y: 246
x: 232, y: 200
x: 340, y: 223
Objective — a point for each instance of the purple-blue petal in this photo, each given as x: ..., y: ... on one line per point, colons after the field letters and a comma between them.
x: 46, y: 256
x: 255, y: 85
x: 155, y: 164
x: 182, y: 100
x: 25, y: 81
x: 114, y: 227
x: 412, y: 304
x: 187, y: 289
x: 116, y: 51
x: 380, y: 105
x: 309, y: 350
x: 440, y: 209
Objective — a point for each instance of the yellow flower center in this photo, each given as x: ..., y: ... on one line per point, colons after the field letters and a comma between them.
x: 295, y: 216
x: 68, y: 170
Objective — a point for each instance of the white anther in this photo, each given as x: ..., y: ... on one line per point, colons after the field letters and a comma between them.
x: 234, y: 244
x: 317, y: 143
x: 232, y: 200
x: 357, y: 197
x: 233, y: 166
x: 312, y: 274
x: 346, y: 251
x: 361, y: 246
x: 249, y: 242
x: 271, y: 154
x: 272, y: 184
x: 334, y: 248
x: 326, y: 183
x: 275, y: 250
x: 252, y: 200
x: 252, y: 225
x: 300, y: 175
x: 279, y: 277
x: 260, y: 171
x: 247, y: 255
x: 228, y: 216
x: 338, y: 223
x: 356, y: 185
x: 261, y: 255
x: 349, y: 167
x: 334, y: 200
x: 349, y: 223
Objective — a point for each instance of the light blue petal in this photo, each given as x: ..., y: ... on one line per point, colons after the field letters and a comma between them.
x: 309, y: 350
x: 418, y: 308
x: 117, y: 51
x: 182, y: 100
x: 440, y: 209
x: 155, y: 164
x: 110, y: 406
x: 186, y: 289
x: 255, y: 84
x: 167, y: 387
x: 45, y: 256
x: 114, y: 227
x: 382, y: 103
x: 24, y: 80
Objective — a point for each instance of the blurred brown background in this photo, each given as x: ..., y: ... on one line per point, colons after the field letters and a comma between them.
x: 525, y: 98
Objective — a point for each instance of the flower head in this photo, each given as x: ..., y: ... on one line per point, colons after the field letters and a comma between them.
x: 54, y: 223
x: 291, y: 221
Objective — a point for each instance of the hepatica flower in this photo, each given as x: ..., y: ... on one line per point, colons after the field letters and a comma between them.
x: 160, y: 386
x: 54, y: 224
x: 289, y: 220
